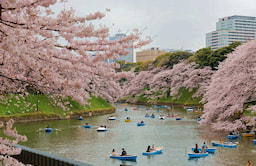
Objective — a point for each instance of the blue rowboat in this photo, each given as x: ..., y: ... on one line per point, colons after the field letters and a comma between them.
x: 225, y: 144
x: 140, y: 124
x: 197, y: 155
x: 198, y: 119
x: 87, y: 126
x: 189, y: 107
x: 157, y: 151
x: 48, y: 130
x: 125, y: 109
x: 178, y: 118
x: 232, y: 137
x: 127, y: 157
x: 147, y: 116
x: 254, y: 141
x: 152, y: 116
x: 80, y: 118
x: 209, y: 150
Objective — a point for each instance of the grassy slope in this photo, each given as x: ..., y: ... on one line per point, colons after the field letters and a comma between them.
x: 45, y: 106
x: 183, y: 97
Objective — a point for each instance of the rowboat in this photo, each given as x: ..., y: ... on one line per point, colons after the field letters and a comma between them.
x: 209, y: 150
x: 152, y: 116
x: 112, y: 118
x: 127, y: 157
x: 156, y: 151
x: 232, y: 137
x: 197, y: 155
x: 125, y: 109
x: 47, y: 129
x: 140, y: 124
x: 87, y: 126
x: 178, y: 118
x: 254, y: 141
x: 127, y: 120
x: 80, y: 118
x: 190, y: 109
x: 135, y: 108
x: 198, y: 119
x: 248, y: 134
x: 102, y: 129
x: 225, y: 144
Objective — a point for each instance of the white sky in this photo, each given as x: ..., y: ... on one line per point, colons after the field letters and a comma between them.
x: 172, y: 24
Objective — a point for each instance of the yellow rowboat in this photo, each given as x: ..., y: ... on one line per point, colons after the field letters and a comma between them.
x: 127, y: 120
x: 247, y: 134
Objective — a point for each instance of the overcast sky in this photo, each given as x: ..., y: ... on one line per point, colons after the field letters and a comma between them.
x: 172, y: 24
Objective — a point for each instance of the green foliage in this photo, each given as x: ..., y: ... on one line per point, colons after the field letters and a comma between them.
x: 207, y: 57
x: 126, y: 66
x: 170, y: 59
x: 203, y: 56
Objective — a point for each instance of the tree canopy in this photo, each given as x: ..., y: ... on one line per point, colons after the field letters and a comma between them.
x: 231, y: 86
x: 59, y: 54
x: 208, y: 57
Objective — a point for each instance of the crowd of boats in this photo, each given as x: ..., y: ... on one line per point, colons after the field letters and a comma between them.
x: 196, y: 152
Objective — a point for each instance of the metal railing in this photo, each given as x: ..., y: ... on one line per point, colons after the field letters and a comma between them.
x: 39, y: 158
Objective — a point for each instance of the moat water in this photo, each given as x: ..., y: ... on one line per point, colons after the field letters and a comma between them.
x: 176, y: 137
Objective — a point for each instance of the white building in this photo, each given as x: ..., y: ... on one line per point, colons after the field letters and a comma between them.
x: 231, y: 29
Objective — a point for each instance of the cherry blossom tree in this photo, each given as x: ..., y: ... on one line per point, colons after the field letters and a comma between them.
x: 59, y: 54
x: 169, y: 81
x: 231, y: 86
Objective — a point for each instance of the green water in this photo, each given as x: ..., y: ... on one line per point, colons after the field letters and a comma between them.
x: 176, y: 137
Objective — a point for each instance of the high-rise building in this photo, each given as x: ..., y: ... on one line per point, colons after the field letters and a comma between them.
x: 231, y: 29
x: 127, y: 58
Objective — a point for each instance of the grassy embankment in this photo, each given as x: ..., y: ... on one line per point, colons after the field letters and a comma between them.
x: 20, y: 109
x: 183, y: 98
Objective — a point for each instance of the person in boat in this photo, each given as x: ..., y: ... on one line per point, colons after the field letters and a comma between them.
x: 124, y: 153
x: 148, y: 149
x: 114, y: 153
x: 249, y: 163
x: 153, y: 147
x: 233, y: 133
x: 196, y: 149
x: 152, y: 115
x: 105, y: 126
x: 48, y: 126
x: 204, y: 147
x: 221, y: 141
x: 86, y: 124
x: 142, y: 122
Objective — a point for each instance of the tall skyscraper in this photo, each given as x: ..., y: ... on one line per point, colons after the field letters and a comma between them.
x: 231, y: 29
x: 129, y: 57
